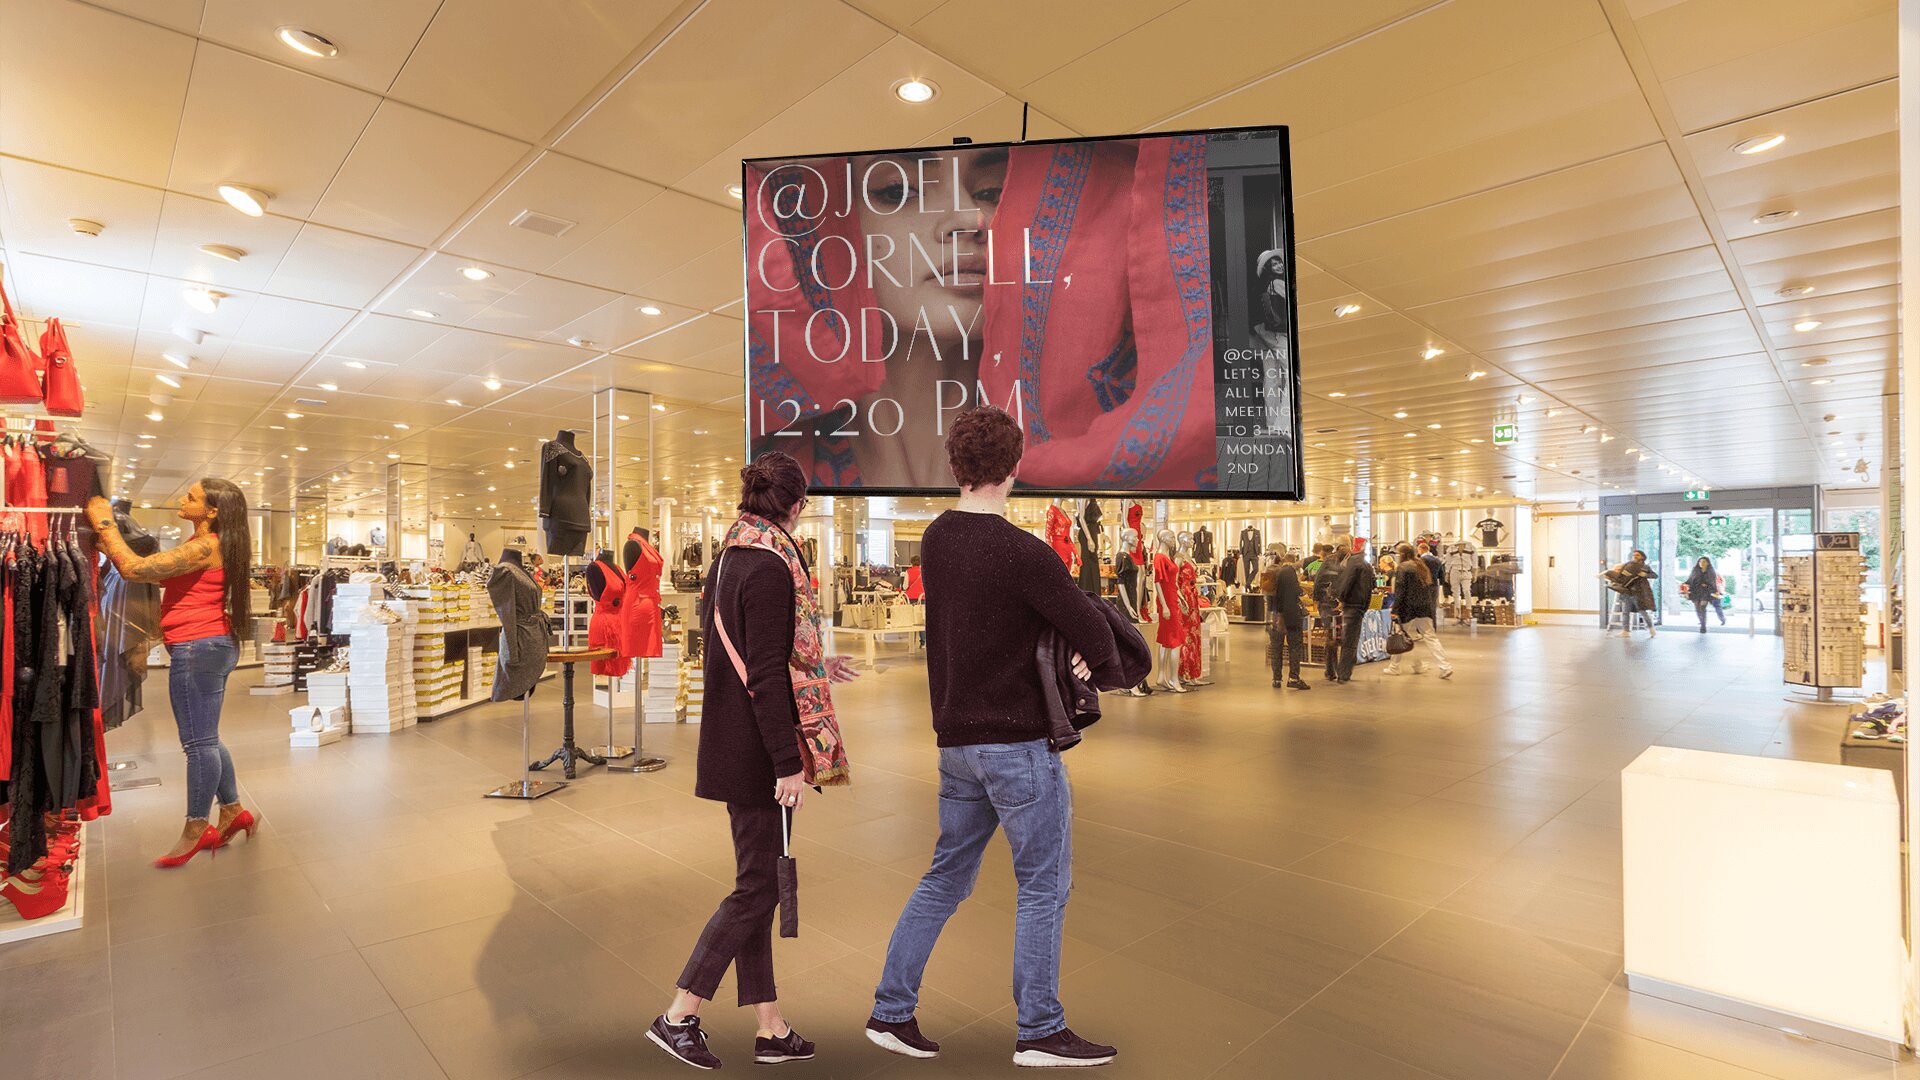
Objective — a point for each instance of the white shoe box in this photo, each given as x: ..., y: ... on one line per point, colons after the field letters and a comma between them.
x: 323, y: 737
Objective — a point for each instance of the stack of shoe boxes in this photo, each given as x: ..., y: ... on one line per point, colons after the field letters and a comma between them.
x: 380, y: 675
x: 660, y: 702
x: 278, y: 662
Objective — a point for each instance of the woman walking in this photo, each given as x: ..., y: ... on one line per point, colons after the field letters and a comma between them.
x: 1633, y: 580
x: 764, y: 664
x: 1703, y: 588
x: 205, y: 604
x: 1413, y: 610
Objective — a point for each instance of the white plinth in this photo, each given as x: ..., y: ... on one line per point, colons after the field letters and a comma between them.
x: 1772, y: 884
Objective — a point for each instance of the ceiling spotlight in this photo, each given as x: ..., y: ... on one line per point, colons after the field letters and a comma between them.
x: 302, y: 449
x: 475, y: 273
x: 915, y: 91
x: 1805, y: 325
x: 1433, y: 427
x: 177, y: 361
x: 307, y: 42
x: 402, y: 427
x: 354, y: 364
x: 1432, y: 352
x: 1552, y: 413
x: 329, y: 387
x: 169, y: 380
x: 1464, y: 450
x: 392, y: 455
x: 189, y: 335
x: 85, y: 227
x: 1586, y: 429
x: 579, y: 342
x: 735, y: 190
x: 455, y: 402
x: 649, y: 309
x: 1795, y: 290
x: 1759, y: 144
x: 1822, y: 382
x: 1341, y: 311
x: 250, y: 201
x: 1338, y: 393
x: 491, y: 384
x: 1606, y: 438
x: 1472, y: 375
x: 1401, y: 415
x: 295, y: 415
x: 423, y: 313
x: 155, y: 416
x: 1775, y: 217
x: 657, y: 407
x: 223, y: 251
x: 205, y: 301
x: 1413, y: 434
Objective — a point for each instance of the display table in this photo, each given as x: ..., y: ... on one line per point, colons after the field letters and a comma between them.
x: 1766, y: 889
x: 871, y: 636
x: 570, y: 753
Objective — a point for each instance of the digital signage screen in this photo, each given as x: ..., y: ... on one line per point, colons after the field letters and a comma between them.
x: 1129, y: 300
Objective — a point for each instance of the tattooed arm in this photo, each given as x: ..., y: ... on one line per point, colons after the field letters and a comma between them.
x: 198, y: 553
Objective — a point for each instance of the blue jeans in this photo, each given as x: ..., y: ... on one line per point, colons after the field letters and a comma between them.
x: 1022, y: 786
x: 197, y: 686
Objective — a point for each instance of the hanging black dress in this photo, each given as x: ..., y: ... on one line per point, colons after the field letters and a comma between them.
x: 566, y: 486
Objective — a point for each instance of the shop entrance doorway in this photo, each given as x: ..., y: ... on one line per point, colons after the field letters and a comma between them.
x: 1744, y: 544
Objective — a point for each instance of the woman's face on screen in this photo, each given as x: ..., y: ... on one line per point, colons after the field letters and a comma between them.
x: 925, y: 218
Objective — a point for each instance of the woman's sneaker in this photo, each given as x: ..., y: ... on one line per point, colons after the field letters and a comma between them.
x: 683, y: 1040
x: 788, y: 1047
x: 1061, y: 1049
x: 902, y: 1038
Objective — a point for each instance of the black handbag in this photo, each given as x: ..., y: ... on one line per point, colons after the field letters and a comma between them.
x: 1398, y: 642
x: 787, y: 876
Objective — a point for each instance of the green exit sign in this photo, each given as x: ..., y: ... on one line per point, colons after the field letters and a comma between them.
x: 1699, y: 495
x: 1718, y: 519
x: 1506, y: 434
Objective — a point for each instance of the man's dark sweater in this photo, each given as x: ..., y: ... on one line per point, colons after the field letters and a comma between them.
x: 991, y: 590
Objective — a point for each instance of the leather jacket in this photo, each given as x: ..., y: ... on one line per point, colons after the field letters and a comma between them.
x: 1073, y: 703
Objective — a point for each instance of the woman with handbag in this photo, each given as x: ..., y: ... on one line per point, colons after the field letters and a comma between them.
x: 1413, y: 609
x: 766, y: 733
x: 1703, y: 589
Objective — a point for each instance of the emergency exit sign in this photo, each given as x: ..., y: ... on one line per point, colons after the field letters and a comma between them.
x: 1506, y: 434
x: 1699, y: 495
x: 1718, y: 519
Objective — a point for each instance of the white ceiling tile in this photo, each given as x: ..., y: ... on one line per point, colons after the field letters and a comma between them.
x: 412, y: 174
x: 588, y: 196
x: 188, y: 223
x: 89, y: 89
x: 387, y: 340
x: 36, y: 202
x: 707, y: 282
x: 620, y: 322
x: 518, y: 68
x: 264, y: 126
x: 181, y: 15
x: 332, y: 266
x: 539, y: 307
x: 438, y: 286
x: 41, y: 287
x: 374, y: 36
x: 276, y: 322
x: 667, y: 232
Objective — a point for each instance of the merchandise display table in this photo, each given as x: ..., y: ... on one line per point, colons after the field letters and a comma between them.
x: 569, y: 753
x: 871, y: 636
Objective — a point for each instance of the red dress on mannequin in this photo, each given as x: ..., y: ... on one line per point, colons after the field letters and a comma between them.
x: 1171, y: 632
x: 1139, y: 552
x: 1190, y: 624
x: 607, y: 627
x: 644, y: 634
x: 1060, y: 535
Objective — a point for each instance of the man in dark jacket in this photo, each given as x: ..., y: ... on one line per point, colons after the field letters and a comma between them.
x: 1353, y: 591
x: 1439, y: 571
x: 1326, y: 610
x: 1287, y: 621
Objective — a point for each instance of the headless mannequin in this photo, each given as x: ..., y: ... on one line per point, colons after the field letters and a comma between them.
x: 1166, y: 601
x: 630, y: 554
x: 512, y: 555
x: 598, y: 570
x: 1188, y: 614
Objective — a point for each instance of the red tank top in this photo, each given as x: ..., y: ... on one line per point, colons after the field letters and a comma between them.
x: 194, y: 606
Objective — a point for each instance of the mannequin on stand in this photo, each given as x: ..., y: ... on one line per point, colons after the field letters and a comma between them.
x: 1170, y: 633
x: 566, y: 486
x: 644, y: 634
x: 523, y: 627
x: 606, y: 627
x: 1086, y: 528
x: 1060, y: 533
x: 1188, y: 577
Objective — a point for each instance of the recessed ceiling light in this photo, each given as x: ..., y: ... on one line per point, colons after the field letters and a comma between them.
x: 169, y: 380
x: 155, y: 416
x: 354, y: 364
x: 699, y: 431
x: 1433, y: 427
x: 1433, y: 351
x: 1341, y: 311
x: 1606, y: 438
x: 1464, y: 450
x: 475, y: 273
x: 735, y: 190
x: 455, y: 402
x: 1775, y: 217
x: 1759, y: 144
x: 423, y: 313
x: 250, y: 201
x: 1805, y: 325
x: 1552, y: 413
x: 1795, y: 290
x: 392, y: 454
x: 307, y: 42
x: 1477, y: 442
x: 1413, y: 434
x: 330, y: 387
x: 204, y: 301
x: 659, y: 407
x: 1586, y: 429
x: 579, y: 342
x: 177, y: 361
x: 295, y: 415
x: 915, y: 91
x: 649, y: 309
x: 223, y: 251
x: 491, y: 384
x: 1401, y: 415
x: 144, y: 445
x: 1472, y: 375
x: 402, y: 427
x: 1822, y: 382
x: 1338, y: 393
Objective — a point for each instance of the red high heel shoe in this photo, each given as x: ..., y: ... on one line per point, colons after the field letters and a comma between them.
x: 243, y: 822
x: 209, y: 842
x: 36, y: 901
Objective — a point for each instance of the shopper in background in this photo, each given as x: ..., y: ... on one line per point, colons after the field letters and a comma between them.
x: 992, y: 590
x: 1286, y: 619
x: 1636, y: 591
x: 1703, y: 588
x: 759, y: 598
x: 1413, y: 608
x: 1437, y: 570
x: 1327, y: 610
x: 205, y: 604
x: 1353, y: 591
x: 1313, y: 564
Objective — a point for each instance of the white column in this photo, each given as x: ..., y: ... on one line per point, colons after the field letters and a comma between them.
x: 1910, y: 418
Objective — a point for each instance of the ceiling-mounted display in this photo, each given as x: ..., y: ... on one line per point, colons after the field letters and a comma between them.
x: 1130, y: 300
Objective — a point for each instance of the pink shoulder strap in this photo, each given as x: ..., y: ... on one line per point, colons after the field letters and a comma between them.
x: 720, y: 624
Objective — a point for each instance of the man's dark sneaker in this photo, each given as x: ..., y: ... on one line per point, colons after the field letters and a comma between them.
x: 1062, y: 1049
x: 902, y: 1038
x: 683, y: 1040
x: 788, y: 1047
x: 1299, y: 684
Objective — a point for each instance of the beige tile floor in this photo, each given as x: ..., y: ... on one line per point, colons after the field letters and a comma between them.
x: 1400, y: 878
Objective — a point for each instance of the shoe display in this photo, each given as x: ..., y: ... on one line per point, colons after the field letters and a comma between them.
x: 903, y: 1038
x: 36, y: 900
x: 684, y: 1040
x: 782, y: 1048
x: 1061, y: 1049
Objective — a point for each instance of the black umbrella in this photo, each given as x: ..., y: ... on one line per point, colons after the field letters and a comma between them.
x: 787, y: 873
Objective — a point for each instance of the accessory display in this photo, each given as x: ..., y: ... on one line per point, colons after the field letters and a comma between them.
x: 19, y: 368
x: 63, y: 394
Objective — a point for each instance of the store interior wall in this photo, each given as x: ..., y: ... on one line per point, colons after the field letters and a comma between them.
x: 1566, y: 549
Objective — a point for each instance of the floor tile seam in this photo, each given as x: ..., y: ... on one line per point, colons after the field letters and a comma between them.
x: 1225, y: 1065
x: 1584, y: 1025
x: 1764, y: 1070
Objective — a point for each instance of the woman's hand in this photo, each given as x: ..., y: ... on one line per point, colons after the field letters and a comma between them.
x: 840, y: 669
x: 790, y: 791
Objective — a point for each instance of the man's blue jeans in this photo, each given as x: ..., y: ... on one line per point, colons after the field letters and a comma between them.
x: 1022, y: 786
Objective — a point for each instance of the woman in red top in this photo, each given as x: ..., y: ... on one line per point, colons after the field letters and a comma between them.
x: 204, y: 602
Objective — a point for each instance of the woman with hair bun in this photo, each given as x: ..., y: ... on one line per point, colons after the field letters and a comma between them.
x: 766, y: 733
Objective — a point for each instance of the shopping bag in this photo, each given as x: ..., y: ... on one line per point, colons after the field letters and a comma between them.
x: 787, y: 875
x: 63, y: 394
x: 1398, y: 642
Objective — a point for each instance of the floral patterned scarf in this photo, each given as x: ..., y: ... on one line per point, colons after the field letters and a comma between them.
x: 823, y: 755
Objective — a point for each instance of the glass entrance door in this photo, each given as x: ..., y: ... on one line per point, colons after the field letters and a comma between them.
x: 1739, y: 546
x: 1648, y: 533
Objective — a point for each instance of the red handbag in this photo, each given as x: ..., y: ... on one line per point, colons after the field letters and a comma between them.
x: 19, y: 368
x: 64, y: 397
